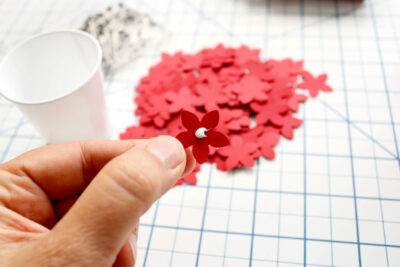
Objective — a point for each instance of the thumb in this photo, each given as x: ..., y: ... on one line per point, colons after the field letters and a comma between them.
x: 105, y: 214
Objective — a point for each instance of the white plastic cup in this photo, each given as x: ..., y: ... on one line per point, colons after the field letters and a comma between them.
x: 55, y: 79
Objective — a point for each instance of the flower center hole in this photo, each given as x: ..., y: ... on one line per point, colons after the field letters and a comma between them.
x: 201, y: 132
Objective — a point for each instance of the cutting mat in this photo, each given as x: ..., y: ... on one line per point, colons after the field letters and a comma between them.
x: 331, y: 197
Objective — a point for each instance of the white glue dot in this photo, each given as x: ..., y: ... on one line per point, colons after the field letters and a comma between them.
x: 201, y: 132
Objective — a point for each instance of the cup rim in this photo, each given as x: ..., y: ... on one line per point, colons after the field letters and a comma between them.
x: 68, y: 92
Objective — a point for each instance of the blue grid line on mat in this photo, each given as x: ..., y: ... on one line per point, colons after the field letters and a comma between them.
x: 350, y: 141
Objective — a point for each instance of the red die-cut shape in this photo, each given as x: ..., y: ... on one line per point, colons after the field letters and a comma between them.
x: 285, y: 68
x: 217, y: 57
x: 253, y: 134
x: 259, y: 69
x: 208, y: 96
x: 184, y: 99
x: 289, y: 123
x: 234, y: 120
x: 314, y: 84
x: 211, y: 136
x: 252, y: 89
x: 153, y: 109
x: 191, y: 62
x: 269, y: 113
x: 243, y: 55
x: 230, y: 74
x: 238, y: 153
x: 267, y: 141
x: 295, y: 100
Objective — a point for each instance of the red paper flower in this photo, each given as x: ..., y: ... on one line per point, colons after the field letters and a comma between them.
x: 243, y: 55
x: 289, y: 123
x: 253, y: 90
x: 184, y: 99
x: 293, y: 102
x: 200, y: 134
x: 239, y: 153
x: 269, y: 113
x: 267, y: 142
x: 314, y: 84
x: 208, y: 96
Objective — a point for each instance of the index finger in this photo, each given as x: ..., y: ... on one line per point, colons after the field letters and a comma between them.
x: 62, y: 170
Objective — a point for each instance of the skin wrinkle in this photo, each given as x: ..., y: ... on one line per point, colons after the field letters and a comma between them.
x: 20, y: 174
x: 133, y: 191
x: 6, y: 197
x: 16, y: 236
x: 10, y: 221
x: 27, y: 198
x: 25, y: 171
x: 15, y: 221
x: 142, y: 186
x: 19, y: 195
x: 21, y: 170
x: 87, y: 164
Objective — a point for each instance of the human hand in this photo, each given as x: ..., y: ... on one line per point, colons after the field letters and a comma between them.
x: 51, y: 216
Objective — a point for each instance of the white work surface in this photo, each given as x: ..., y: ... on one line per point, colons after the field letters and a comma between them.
x: 331, y: 197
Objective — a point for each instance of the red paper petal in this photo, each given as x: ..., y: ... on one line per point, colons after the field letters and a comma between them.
x: 216, y: 139
x: 293, y: 102
x: 250, y: 148
x: 268, y: 152
x: 189, y: 120
x: 190, y: 178
x: 269, y: 138
x: 247, y: 161
x: 186, y: 138
x: 290, y: 123
x: 210, y: 120
x: 253, y: 134
x: 232, y: 163
x: 200, y: 151
x: 220, y: 163
x: 179, y: 182
x: 267, y: 141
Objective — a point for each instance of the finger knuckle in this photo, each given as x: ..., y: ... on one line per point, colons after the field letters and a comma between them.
x: 139, y: 182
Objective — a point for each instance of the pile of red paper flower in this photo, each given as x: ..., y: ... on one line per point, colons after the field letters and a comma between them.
x: 238, y: 84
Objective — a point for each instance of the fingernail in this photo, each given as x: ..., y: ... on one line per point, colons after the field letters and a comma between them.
x: 133, y: 243
x: 168, y: 150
